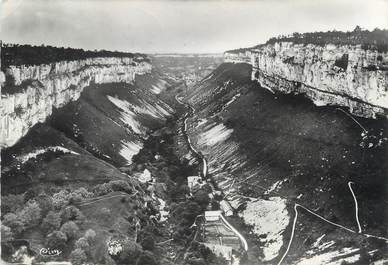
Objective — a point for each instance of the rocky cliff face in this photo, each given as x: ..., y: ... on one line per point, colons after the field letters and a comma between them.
x: 346, y: 76
x: 31, y: 92
x: 268, y: 152
x: 238, y: 57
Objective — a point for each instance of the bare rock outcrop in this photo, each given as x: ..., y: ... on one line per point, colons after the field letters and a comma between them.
x: 338, y: 75
x: 31, y: 92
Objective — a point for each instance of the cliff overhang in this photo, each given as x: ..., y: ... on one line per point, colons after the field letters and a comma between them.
x: 30, y: 93
x: 340, y: 75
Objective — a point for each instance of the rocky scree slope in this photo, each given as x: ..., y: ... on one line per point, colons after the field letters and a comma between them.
x: 268, y: 151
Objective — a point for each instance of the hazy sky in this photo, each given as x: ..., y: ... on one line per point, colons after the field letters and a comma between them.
x: 178, y: 26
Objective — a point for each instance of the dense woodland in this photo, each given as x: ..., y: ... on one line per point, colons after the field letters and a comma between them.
x: 15, y: 54
x: 374, y: 40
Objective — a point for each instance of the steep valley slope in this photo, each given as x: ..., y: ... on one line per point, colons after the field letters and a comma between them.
x: 92, y: 175
x: 70, y: 183
x: 293, y: 171
x: 101, y: 173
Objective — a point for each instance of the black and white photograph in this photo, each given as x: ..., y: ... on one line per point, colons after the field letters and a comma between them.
x: 194, y: 132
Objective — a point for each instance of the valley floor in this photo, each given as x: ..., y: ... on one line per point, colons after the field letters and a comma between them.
x: 105, y: 179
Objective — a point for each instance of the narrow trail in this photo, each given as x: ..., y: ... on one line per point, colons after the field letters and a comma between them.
x: 296, y: 206
x: 241, y: 237
x: 355, y: 205
x: 329, y: 222
x: 351, y: 117
x: 205, y: 170
x: 359, y: 231
x: 105, y: 197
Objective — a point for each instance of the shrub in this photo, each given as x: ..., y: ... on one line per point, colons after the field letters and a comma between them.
x: 70, y: 229
x: 56, y: 240
x: 82, y: 243
x: 113, y: 185
x: 146, y: 258
x: 130, y: 252
x: 60, y: 199
x: 84, y: 193
x: 12, y: 220
x: 51, y: 222
x: 78, y: 256
x: 90, y: 235
x: 71, y: 213
x: 6, y: 233
x: 120, y: 185
x: 102, y: 189
x: 79, y: 194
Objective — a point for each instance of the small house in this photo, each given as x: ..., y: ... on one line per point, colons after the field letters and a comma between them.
x: 193, y: 181
x: 211, y: 216
x: 226, y: 208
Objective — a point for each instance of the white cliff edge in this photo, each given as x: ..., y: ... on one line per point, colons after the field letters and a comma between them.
x: 346, y: 76
x: 44, y: 87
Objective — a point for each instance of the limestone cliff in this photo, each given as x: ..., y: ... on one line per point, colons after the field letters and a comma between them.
x: 31, y: 92
x: 340, y: 75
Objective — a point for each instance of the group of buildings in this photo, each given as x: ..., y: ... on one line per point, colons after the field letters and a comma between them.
x: 218, y: 237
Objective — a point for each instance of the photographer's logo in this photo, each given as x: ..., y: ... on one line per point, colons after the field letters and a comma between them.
x: 49, y: 252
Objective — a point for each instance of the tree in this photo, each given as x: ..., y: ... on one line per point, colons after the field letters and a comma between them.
x: 90, y: 235
x: 78, y: 256
x: 202, y: 198
x: 56, y: 240
x: 185, y: 212
x: 357, y: 29
x: 146, y: 258
x: 148, y: 243
x: 70, y: 229
x: 71, y: 213
x: 45, y: 203
x: 82, y: 243
x: 30, y: 215
x: 12, y: 220
x: 130, y: 252
x: 51, y: 222
x: 61, y: 198
x: 79, y: 194
x: 102, y: 189
x: 120, y: 185
x: 6, y: 233
x: 11, y: 203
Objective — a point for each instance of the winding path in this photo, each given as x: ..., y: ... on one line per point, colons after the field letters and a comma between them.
x: 205, y: 171
x: 355, y: 205
x: 241, y: 237
x: 296, y: 206
x: 329, y: 222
